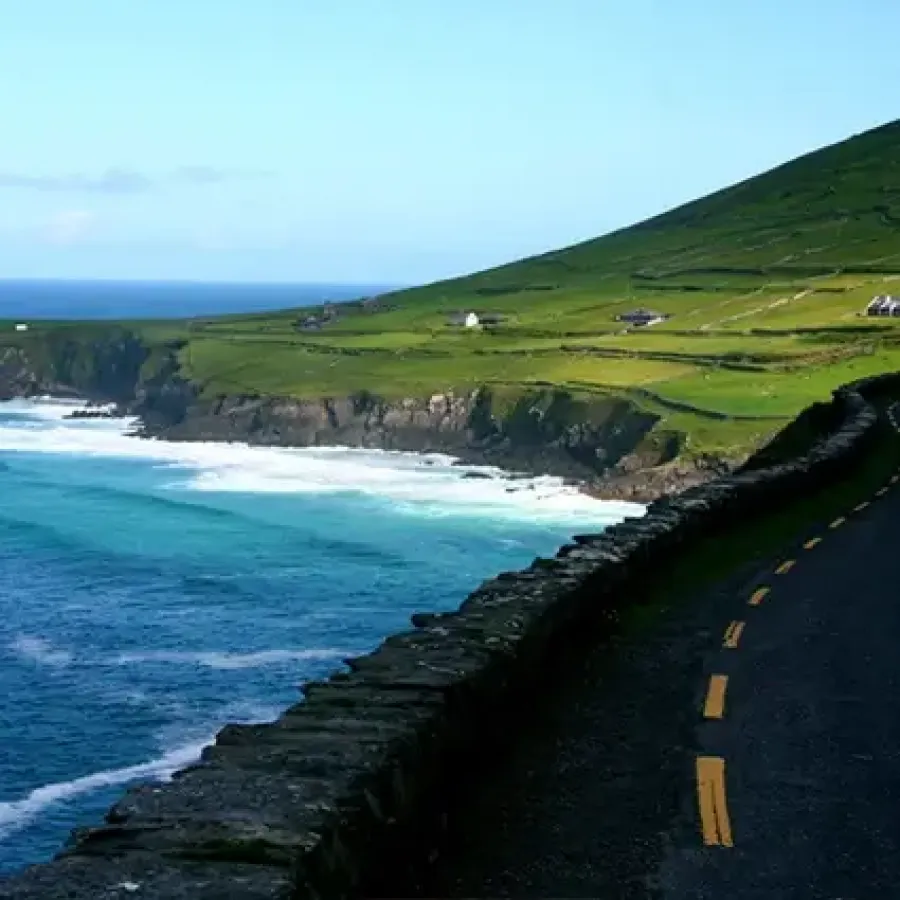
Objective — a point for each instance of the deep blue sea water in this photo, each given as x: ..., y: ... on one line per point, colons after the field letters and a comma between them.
x: 140, y: 300
x: 151, y: 592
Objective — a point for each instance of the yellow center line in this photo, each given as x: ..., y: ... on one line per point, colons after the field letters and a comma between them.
x: 715, y: 824
x: 733, y: 635
x: 785, y: 567
x: 812, y: 542
x: 714, y: 708
x: 861, y: 506
x: 837, y: 522
x: 758, y: 595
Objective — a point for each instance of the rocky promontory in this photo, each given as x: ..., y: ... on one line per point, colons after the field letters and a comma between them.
x: 603, y: 442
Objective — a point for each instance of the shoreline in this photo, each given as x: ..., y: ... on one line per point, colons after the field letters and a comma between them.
x: 419, y: 709
x: 629, y: 481
x: 507, y: 493
x: 69, y: 416
x: 640, y: 487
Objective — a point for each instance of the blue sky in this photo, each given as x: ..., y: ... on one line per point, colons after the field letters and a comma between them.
x: 399, y: 141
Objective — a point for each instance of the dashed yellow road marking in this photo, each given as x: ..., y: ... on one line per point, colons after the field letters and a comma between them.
x: 715, y: 824
x: 757, y: 597
x: 861, y: 506
x: 812, y: 542
x: 733, y: 635
x: 837, y: 522
x: 785, y: 567
x: 714, y: 707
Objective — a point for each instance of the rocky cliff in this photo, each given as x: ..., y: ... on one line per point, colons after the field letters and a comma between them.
x: 597, y: 439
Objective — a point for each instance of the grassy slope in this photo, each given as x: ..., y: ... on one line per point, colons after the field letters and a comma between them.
x: 764, y: 280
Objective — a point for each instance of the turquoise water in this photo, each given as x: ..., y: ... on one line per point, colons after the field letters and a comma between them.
x: 151, y: 592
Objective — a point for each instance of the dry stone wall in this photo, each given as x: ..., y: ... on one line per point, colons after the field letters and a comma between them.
x: 345, y: 782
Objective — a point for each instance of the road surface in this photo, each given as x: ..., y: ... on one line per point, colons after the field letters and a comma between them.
x: 748, y: 748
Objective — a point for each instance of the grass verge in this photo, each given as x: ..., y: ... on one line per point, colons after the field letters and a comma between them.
x: 715, y: 558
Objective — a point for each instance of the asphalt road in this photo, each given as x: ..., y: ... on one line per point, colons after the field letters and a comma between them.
x: 748, y: 748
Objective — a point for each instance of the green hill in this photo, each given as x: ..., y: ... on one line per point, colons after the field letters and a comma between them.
x: 764, y: 284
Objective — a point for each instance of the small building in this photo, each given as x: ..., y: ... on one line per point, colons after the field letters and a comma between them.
x: 640, y: 318
x: 884, y: 305
x: 21, y: 326
x: 472, y: 319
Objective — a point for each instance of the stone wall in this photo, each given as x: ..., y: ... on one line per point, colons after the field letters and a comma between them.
x: 356, y: 777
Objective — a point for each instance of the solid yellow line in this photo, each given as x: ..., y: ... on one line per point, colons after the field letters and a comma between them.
x: 733, y: 635
x: 714, y: 708
x: 861, y: 506
x: 812, y: 542
x: 785, y: 567
x: 758, y: 596
x: 715, y: 824
x: 837, y: 522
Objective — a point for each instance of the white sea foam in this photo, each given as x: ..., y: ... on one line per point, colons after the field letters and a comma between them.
x: 16, y: 814
x: 214, y: 660
x: 188, y: 737
x: 415, y: 483
x: 40, y: 651
x: 53, y: 409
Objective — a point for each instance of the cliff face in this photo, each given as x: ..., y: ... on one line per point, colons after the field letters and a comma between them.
x: 106, y: 369
x: 540, y: 431
x: 594, y: 438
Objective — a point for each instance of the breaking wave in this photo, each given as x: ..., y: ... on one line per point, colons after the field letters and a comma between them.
x: 429, y: 484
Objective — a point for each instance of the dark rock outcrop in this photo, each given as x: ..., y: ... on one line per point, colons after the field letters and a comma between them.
x: 544, y: 431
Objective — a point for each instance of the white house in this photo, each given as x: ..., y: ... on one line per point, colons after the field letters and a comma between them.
x: 884, y: 305
x: 471, y: 320
x: 21, y: 326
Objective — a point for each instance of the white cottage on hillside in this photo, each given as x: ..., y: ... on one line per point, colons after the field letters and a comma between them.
x: 21, y: 326
x: 472, y: 320
x: 884, y: 305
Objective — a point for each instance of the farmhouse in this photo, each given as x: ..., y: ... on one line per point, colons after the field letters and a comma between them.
x: 641, y: 317
x: 884, y: 305
x: 473, y: 319
x: 21, y: 326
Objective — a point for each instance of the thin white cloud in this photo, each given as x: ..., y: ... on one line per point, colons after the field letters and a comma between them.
x: 69, y: 226
x: 116, y: 180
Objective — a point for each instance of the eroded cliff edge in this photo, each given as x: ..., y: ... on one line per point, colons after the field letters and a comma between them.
x: 604, y: 442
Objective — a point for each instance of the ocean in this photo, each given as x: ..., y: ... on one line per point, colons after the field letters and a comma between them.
x: 153, y: 300
x: 151, y: 592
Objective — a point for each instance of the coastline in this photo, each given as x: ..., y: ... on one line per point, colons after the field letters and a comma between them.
x: 349, y: 779
x: 623, y: 489
x: 554, y: 504
x: 641, y: 486
x: 608, y: 446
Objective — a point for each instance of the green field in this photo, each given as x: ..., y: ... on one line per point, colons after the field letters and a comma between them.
x: 764, y: 282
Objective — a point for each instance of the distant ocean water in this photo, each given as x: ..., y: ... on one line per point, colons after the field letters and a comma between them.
x: 150, y: 591
x: 139, y: 300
